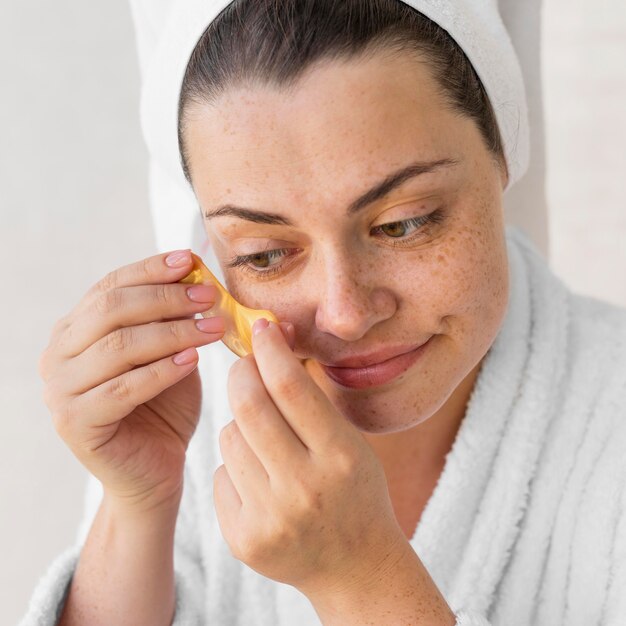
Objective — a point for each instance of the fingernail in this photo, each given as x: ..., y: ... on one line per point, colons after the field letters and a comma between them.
x: 202, y: 293
x: 211, y: 324
x: 259, y: 325
x: 178, y: 258
x: 186, y: 356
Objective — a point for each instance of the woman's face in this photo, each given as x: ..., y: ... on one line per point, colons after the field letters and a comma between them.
x: 356, y: 277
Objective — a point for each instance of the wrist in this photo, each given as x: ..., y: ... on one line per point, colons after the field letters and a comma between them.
x: 125, y: 573
x: 373, y: 562
x: 398, y: 591
x: 153, y: 508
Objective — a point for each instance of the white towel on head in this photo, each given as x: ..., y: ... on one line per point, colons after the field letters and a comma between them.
x: 526, y: 203
x: 476, y: 25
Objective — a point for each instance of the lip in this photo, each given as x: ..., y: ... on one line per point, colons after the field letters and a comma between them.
x: 373, y: 358
x: 377, y: 373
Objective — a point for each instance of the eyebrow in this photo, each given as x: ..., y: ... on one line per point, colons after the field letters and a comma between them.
x: 378, y: 191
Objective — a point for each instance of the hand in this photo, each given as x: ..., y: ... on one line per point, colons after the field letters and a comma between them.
x: 123, y: 406
x: 301, y: 497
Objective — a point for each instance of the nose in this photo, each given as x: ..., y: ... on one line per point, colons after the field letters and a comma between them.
x: 350, y: 301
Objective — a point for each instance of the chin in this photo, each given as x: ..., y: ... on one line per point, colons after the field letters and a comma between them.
x: 381, y: 417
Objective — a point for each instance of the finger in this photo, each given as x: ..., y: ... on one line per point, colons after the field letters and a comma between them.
x: 129, y: 306
x: 149, y: 271
x: 244, y: 468
x: 302, y: 403
x: 265, y: 430
x: 227, y: 504
x: 127, y: 348
x: 86, y: 416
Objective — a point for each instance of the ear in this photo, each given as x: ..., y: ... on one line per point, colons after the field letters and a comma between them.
x: 504, y: 173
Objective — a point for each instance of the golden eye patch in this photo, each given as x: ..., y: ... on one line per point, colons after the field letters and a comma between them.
x: 238, y: 318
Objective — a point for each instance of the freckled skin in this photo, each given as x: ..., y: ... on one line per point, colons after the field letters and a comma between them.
x: 307, y: 155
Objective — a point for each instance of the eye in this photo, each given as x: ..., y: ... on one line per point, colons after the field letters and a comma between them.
x: 246, y: 262
x: 398, y: 230
x: 259, y: 264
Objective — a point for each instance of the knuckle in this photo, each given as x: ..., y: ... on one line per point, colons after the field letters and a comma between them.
x: 117, y: 341
x: 155, y: 372
x: 67, y: 339
x: 48, y: 366
x: 246, y: 407
x: 162, y: 294
x: 118, y: 388
x: 345, y: 463
x: 228, y: 433
x: 145, y: 267
x: 282, y: 532
x: 244, y: 402
x: 307, y: 499
x: 176, y: 332
x: 62, y: 420
x: 247, y: 549
x: 61, y: 332
x: 289, y: 388
x: 108, y: 301
x: 107, y: 282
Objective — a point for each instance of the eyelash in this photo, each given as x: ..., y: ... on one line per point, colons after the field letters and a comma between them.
x: 436, y: 217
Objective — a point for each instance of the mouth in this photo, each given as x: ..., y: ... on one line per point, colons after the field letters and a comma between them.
x: 375, y: 374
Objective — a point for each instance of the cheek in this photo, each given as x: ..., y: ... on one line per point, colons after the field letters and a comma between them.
x: 278, y: 297
x: 467, y: 275
x: 478, y: 279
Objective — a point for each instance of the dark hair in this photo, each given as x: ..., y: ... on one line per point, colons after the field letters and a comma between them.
x: 273, y: 42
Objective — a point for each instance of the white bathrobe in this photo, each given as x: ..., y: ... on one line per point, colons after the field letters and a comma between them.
x: 527, y: 523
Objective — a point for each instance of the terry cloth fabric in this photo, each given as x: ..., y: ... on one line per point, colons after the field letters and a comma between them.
x: 165, y: 48
x: 527, y: 523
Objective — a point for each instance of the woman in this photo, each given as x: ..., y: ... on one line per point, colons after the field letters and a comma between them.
x: 427, y: 443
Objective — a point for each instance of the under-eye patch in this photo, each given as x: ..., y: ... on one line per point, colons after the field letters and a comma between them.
x: 237, y: 318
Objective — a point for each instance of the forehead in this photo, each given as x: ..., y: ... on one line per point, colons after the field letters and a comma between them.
x: 343, y: 121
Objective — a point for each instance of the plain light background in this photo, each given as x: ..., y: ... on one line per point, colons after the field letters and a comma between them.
x: 73, y: 206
